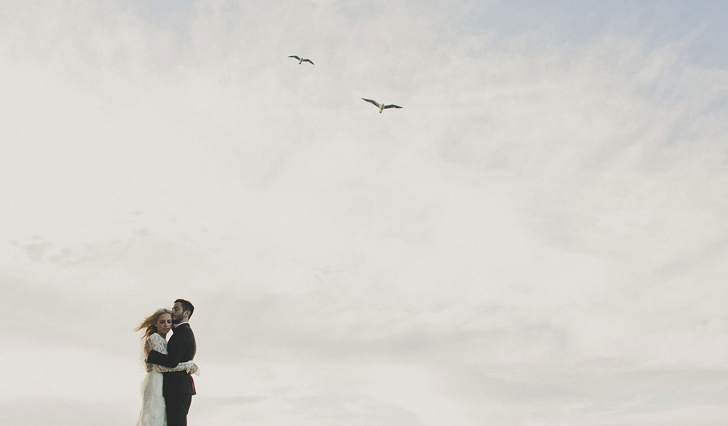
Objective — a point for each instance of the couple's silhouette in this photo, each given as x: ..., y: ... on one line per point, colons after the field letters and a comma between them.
x: 168, y: 386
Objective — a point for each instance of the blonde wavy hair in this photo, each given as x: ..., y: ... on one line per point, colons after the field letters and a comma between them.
x: 150, y: 321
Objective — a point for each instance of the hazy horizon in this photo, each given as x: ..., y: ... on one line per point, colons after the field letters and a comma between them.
x: 538, y: 237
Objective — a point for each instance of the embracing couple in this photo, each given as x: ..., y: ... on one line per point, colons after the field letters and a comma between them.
x: 168, y: 386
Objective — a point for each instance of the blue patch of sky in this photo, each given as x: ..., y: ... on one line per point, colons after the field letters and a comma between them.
x: 574, y: 23
x: 174, y: 15
x: 168, y: 6
x: 169, y: 13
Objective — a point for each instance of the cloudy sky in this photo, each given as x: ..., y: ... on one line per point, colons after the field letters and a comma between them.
x: 539, y: 237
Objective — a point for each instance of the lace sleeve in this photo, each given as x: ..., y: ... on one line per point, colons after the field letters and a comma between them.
x: 188, y: 366
x: 155, y: 342
x: 158, y: 343
x: 146, y: 347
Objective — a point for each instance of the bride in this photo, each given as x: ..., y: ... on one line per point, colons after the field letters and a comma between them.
x: 156, y: 327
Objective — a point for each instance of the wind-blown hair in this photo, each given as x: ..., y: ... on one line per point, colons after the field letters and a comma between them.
x: 150, y: 321
x: 186, y: 306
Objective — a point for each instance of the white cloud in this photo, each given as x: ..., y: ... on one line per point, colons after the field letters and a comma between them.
x: 535, y: 237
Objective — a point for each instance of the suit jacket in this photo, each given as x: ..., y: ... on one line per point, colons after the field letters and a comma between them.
x: 181, y: 348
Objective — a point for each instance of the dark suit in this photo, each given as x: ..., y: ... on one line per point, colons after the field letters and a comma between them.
x: 178, y: 386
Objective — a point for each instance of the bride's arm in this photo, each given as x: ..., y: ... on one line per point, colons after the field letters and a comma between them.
x: 147, y: 349
x: 188, y: 366
x: 174, y: 356
x: 156, y: 343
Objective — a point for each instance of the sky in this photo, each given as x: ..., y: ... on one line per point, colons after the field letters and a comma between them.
x: 538, y: 237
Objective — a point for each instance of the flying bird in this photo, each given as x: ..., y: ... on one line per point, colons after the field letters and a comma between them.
x: 301, y: 60
x: 381, y: 106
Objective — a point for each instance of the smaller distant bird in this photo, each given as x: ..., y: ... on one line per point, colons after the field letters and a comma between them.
x: 381, y: 106
x: 301, y: 60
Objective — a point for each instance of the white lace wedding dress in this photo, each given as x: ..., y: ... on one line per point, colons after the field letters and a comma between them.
x: 153, y: 408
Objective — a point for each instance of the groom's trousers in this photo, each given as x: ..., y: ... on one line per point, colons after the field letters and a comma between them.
x: 178, y: 405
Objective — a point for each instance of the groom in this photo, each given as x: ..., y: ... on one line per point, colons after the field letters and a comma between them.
x: 178, y: 386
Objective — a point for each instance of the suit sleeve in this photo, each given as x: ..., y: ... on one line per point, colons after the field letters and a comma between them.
x: 176, y: 348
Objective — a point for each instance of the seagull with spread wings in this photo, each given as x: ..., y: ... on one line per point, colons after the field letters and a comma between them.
x: 301, y: 60
x: 381, y: 106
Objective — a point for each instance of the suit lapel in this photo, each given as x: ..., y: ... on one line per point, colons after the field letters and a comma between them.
x: 177, y: 333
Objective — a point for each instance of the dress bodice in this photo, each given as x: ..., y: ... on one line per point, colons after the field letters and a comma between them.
x: 155, y: 342
x: 153, y: 407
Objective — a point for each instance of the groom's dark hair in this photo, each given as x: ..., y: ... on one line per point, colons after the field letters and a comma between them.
x: 186, y: 306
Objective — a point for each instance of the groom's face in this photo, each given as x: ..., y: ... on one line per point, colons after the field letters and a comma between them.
x: 177, y: 313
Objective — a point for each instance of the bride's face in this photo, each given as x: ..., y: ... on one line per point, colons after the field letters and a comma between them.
x: 164, y: 323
